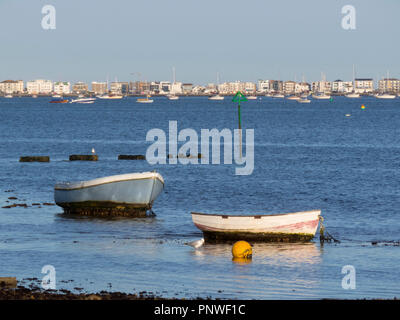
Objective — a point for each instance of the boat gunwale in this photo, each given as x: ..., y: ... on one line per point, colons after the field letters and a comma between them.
x: 255, y: 215
x: 65, y: 188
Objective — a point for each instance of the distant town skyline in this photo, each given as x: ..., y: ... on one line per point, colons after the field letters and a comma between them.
x: 358, y: 86
x: 138, y: 41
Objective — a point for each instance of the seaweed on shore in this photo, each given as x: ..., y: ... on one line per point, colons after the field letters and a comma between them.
x: 34, y: 292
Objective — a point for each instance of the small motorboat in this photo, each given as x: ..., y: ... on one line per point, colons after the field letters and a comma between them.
x: 172, y: 97
x: 321, y: 96
x: 110, y: 96
x: 304, y: 100
x: 296, y: 98
x: 385, y: 96
x: 145, y: 100
x: 59, y: 100
x: 217, y: 97
x: 83, y: 100
x: 278, y: 95
x: 352, y: 95
x: 129, y: 194
x: 8, y: 96
x: 289, y: 227
x: 251, y: 97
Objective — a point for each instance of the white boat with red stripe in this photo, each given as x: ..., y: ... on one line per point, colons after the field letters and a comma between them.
x: 287, y: 227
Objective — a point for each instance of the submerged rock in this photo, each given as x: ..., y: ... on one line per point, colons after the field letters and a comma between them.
x: 83, y: 157
x: 131, y: 157
x: 34, y: 159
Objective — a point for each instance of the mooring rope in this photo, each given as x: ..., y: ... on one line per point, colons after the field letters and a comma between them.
x: 325, y: 236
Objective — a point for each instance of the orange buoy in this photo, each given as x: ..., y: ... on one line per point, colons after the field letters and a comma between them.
x: 242, y: 249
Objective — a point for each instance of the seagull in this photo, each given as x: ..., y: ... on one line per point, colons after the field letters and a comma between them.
x: 196, y: 244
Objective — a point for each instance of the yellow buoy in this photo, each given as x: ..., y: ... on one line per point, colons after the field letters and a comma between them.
x: 242, y: 249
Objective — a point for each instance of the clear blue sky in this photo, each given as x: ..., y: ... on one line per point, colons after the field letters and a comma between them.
x: 242, y: 40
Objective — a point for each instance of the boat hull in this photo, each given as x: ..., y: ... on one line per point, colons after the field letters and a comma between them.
x: 123, y: 195
x: 385, y: 96
x: 322, y: 97
x: 110, y: 97
x: 85, y: 101
x: 59, y: 101
x: 291, y: 227
x: 144, y: 101
x: 216, y: 98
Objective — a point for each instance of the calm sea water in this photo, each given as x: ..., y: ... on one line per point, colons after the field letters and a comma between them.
x: 306, y: 157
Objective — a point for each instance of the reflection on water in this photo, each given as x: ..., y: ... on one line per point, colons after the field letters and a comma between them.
x: 284, y: 269
x: 241, y: 261
x: 274, y: 253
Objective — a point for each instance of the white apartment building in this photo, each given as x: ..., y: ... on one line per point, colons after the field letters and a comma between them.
x: 322, y: 86
x: 339, y: 86
x: 99, y: 87
x: 119, y: 87
x: 62, y: 87
x: 233, y: 87
x: 198, y: 89
x: 250, y: 87
x: 301, y: 87
x: 39, y: 87
x: 164, y: 87
x: 230, y: 87
x: 176, y: 88
x: 264, y: 86
x: 187, y: 88
x: 389, y: 85
x: 289, y: 87
x: 80, y: 87
x: 363, y: 85
x: 11, y: 86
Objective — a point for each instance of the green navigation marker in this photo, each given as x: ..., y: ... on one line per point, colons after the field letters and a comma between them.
x: 238, y: 98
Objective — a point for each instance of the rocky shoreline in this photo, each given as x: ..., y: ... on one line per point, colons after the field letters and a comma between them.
x: 29, y: 289
x: 22, y: 293
x: 11, y: 291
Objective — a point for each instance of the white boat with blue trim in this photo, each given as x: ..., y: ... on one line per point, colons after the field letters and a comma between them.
x: 131, y: 194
